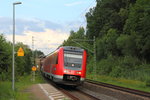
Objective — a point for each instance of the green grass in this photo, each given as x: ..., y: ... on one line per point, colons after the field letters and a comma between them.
x: 134, y: 84
x: 23, y: 82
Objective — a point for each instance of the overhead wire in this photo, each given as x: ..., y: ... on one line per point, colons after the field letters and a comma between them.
x: 82, y: 14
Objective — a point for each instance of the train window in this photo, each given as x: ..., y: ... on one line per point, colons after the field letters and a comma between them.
x: 73, y: 60
x: 73, y: 55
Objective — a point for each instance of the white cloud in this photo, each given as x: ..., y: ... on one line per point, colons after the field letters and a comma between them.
x: 74, y: 3
x: 27, y: 24
x: 46, y: 41
x: 47, y: 35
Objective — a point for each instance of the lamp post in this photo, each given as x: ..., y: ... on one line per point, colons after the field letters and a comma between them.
x: 13, y: 53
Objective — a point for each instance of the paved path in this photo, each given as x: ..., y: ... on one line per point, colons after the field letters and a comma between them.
x: 45, y: 92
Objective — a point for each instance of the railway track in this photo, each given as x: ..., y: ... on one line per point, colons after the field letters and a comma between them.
x: 128, y: 90
x: 75, y: 93
x: 100, y: 91
x: 71, y: 92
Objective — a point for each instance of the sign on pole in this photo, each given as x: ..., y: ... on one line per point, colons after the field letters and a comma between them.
x: 33, y: 73
x: 20, y: 52
x: 33, y: 68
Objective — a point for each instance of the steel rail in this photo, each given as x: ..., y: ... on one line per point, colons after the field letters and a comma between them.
x: 61, y: 89
x: 66, y: 92
x: 129, y: 90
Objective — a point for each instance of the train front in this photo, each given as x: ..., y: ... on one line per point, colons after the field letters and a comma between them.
x: 74, y: 70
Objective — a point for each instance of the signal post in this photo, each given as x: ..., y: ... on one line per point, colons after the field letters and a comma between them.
x: 33, y: 73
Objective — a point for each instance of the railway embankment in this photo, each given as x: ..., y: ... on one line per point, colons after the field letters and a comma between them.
x: 105, y: 92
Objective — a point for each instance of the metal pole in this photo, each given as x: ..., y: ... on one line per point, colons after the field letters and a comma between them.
x: 13, y: 58
x: 94, y: 44
x: 13, y: 51
x: 33, y: 51
x: 33, y: 73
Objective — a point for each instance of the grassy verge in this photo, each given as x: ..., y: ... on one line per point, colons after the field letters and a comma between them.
x: 23, y: 82
x: 120, y: 82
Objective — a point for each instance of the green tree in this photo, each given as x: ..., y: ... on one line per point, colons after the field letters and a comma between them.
x: 138, y: 25
x: 126, y: 43
x: 74, y: 35
x: 122, y: 31
x: 107, y: 45
x: 23, y: 64
x: 5, y: 58
x: 107, y: 14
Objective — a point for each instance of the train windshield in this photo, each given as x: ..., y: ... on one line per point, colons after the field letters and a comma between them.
x: 73, y: 60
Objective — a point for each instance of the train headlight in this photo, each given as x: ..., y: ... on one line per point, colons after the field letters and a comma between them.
x: 78, y: 72
x: 72, y: 65
x: 66, y: 71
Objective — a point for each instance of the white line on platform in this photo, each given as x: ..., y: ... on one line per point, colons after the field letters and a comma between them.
x: 59, y: 97
x: 46, y: 93
x: 54, y: 93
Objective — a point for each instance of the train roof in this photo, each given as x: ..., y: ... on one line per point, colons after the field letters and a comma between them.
x: 68, y: 48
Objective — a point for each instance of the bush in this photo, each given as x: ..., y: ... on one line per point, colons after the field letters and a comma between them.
x: 124, y: 67
x: 142, y: 72
x: 90, y: 66
x: 6, y: 92
x: 105, y: 66
x: 148, y: 83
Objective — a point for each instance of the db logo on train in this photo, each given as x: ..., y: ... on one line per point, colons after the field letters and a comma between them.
x: 33, y: 68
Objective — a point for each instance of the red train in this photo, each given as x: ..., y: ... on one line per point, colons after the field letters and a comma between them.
x: 66, y: 65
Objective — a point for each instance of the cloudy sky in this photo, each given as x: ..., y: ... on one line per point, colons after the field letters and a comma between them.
x: 48, y: 21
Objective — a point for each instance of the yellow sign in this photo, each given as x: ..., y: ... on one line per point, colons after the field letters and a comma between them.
x: 33, y: 68
x: 20, y: 52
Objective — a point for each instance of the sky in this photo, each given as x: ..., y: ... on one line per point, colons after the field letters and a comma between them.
x: 48, y: 21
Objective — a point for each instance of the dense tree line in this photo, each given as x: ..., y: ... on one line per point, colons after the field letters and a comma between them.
x: 22, y: 64
x: 5, y: 57
x: 122, y: 31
